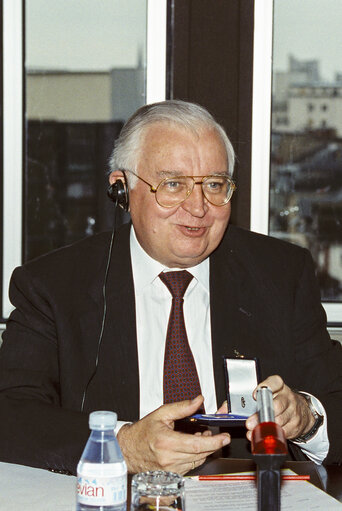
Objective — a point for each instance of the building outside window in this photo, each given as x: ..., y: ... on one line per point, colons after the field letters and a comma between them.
x: 73, y: 72
x: 305, y: 202
x: 85, y: 74
x: 81, y: 84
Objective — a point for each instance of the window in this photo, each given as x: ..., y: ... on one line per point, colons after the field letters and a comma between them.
x: 84, y: 76
x: 88, y: 66
x: 304, y: 204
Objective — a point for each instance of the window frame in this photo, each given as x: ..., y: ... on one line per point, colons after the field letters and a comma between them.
x: 13, y: 123
x: 261, y: 132
x: 13, y: 119
x: 12, y: 143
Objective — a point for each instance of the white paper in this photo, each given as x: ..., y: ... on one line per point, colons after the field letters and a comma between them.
x: 242, y: 495
x: 39, y: 490
x: 35, y: 489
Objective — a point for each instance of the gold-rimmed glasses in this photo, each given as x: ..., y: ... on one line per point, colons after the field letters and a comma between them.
x: 172, y: 191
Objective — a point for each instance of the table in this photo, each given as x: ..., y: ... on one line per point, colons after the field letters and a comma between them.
x: 328, y: 478
x: 227, y: 465
x: 31, y: 488
x: 334, y: 481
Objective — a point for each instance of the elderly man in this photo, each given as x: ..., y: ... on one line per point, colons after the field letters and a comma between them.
x: 244, y: 293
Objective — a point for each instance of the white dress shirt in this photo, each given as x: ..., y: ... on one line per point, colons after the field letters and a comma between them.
x: 153, y: 304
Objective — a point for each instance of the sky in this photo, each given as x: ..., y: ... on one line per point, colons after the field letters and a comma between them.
x: 102, y: 34
x: 84, y: 34
x: 309, y: 29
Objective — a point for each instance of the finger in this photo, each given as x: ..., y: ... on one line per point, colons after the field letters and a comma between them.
x: 249, y: 435
x: 173, y: 411
x: 173, y: 454
x: 287, y: 407
x: 223, y: 408
x: 294, y: 416
x: 187, y: 444
x: 252, y: 421
x: 194, y: 464
x: 282, y: 403
x: 207, y: 432
x: 183, y: 467
x: 274, y: 382
x: 204, y: 444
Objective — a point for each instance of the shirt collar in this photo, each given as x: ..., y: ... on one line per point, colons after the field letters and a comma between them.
x: 146, y: 269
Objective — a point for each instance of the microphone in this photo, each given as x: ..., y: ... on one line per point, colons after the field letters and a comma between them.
x: 269, y: 449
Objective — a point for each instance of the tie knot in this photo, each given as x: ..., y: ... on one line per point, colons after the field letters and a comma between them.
x: 176, y: 282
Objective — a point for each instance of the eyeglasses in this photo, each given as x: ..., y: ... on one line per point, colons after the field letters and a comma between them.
x: 172, y: 191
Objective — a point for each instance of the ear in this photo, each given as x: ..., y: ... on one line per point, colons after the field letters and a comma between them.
x: 115, y: 175
x: 118, y: 190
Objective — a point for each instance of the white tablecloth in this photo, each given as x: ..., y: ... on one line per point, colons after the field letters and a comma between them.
x: 35, y: 489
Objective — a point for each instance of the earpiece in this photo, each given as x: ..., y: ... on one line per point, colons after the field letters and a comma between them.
x: 118, y: 193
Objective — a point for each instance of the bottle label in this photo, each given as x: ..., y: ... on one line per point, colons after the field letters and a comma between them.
x: 102, y: 491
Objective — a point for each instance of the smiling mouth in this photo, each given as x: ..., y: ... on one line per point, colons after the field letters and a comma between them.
x: 192, y: 230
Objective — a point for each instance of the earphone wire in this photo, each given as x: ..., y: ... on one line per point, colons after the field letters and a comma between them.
x: 104, y: 313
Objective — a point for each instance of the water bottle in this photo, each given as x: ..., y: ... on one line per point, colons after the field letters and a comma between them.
x: 102, y: 471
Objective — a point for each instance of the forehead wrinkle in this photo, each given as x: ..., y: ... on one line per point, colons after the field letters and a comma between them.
x: 186, y: 157
x: 169, y: 173
x: 159, y: 163
x: 165, y: 174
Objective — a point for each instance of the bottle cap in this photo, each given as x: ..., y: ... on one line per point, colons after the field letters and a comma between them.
x: 102, y: 420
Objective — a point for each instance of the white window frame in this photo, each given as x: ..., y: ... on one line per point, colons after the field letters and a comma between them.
x: 13, y: 142
x: 261, y: 129
x: 156, y: 50
x: 13, y: 40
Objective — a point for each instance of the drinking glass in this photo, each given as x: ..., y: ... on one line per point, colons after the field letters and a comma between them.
x: 157, y: 490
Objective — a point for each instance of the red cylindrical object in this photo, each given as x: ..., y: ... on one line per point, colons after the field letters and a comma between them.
x: 268, y: 438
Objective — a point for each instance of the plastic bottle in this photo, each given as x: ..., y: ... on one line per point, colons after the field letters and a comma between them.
x: 102, y: 471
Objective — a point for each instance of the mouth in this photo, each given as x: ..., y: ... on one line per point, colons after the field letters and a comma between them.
x: 189, y: 230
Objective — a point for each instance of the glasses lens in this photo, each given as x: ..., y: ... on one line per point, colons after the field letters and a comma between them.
x: 217, y: 189
x: 174, y: 190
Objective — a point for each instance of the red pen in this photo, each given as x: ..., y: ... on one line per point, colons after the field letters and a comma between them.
x: 241, y: 477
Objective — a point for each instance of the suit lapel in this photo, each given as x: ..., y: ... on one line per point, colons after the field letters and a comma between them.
x: 231, y: 310
x: 116, y: 387
x: 116, y: 383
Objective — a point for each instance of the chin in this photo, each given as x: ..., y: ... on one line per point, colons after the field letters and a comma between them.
x: 188, y: 259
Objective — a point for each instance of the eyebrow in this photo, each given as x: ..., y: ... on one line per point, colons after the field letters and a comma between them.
x: 163, y: 174
x: 169, y: 173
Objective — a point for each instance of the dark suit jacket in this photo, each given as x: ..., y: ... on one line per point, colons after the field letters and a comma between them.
x: 264, y: 303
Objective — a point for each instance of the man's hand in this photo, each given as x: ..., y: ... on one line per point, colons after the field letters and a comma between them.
x: 223, y: 408
x: 151, y: 443
x: 290, y: 409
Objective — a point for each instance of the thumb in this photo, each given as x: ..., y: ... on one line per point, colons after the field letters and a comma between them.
x: 179, y: 410
x: 223, y: 408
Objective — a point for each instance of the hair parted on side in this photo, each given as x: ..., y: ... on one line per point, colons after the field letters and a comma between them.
x: 188, y: 115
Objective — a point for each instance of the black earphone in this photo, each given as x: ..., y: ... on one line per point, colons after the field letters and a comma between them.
x: 118, y: 193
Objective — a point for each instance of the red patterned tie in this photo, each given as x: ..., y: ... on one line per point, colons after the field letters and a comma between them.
x: 180, y: 374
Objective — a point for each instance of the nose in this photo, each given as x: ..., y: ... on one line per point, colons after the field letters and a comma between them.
x: 196, y: 204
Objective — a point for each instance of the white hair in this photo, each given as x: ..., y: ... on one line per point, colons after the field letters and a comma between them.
x: 190, y: 116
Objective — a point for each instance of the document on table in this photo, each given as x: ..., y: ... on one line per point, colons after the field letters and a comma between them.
x: 35, y: 489
x: 242, y: 495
